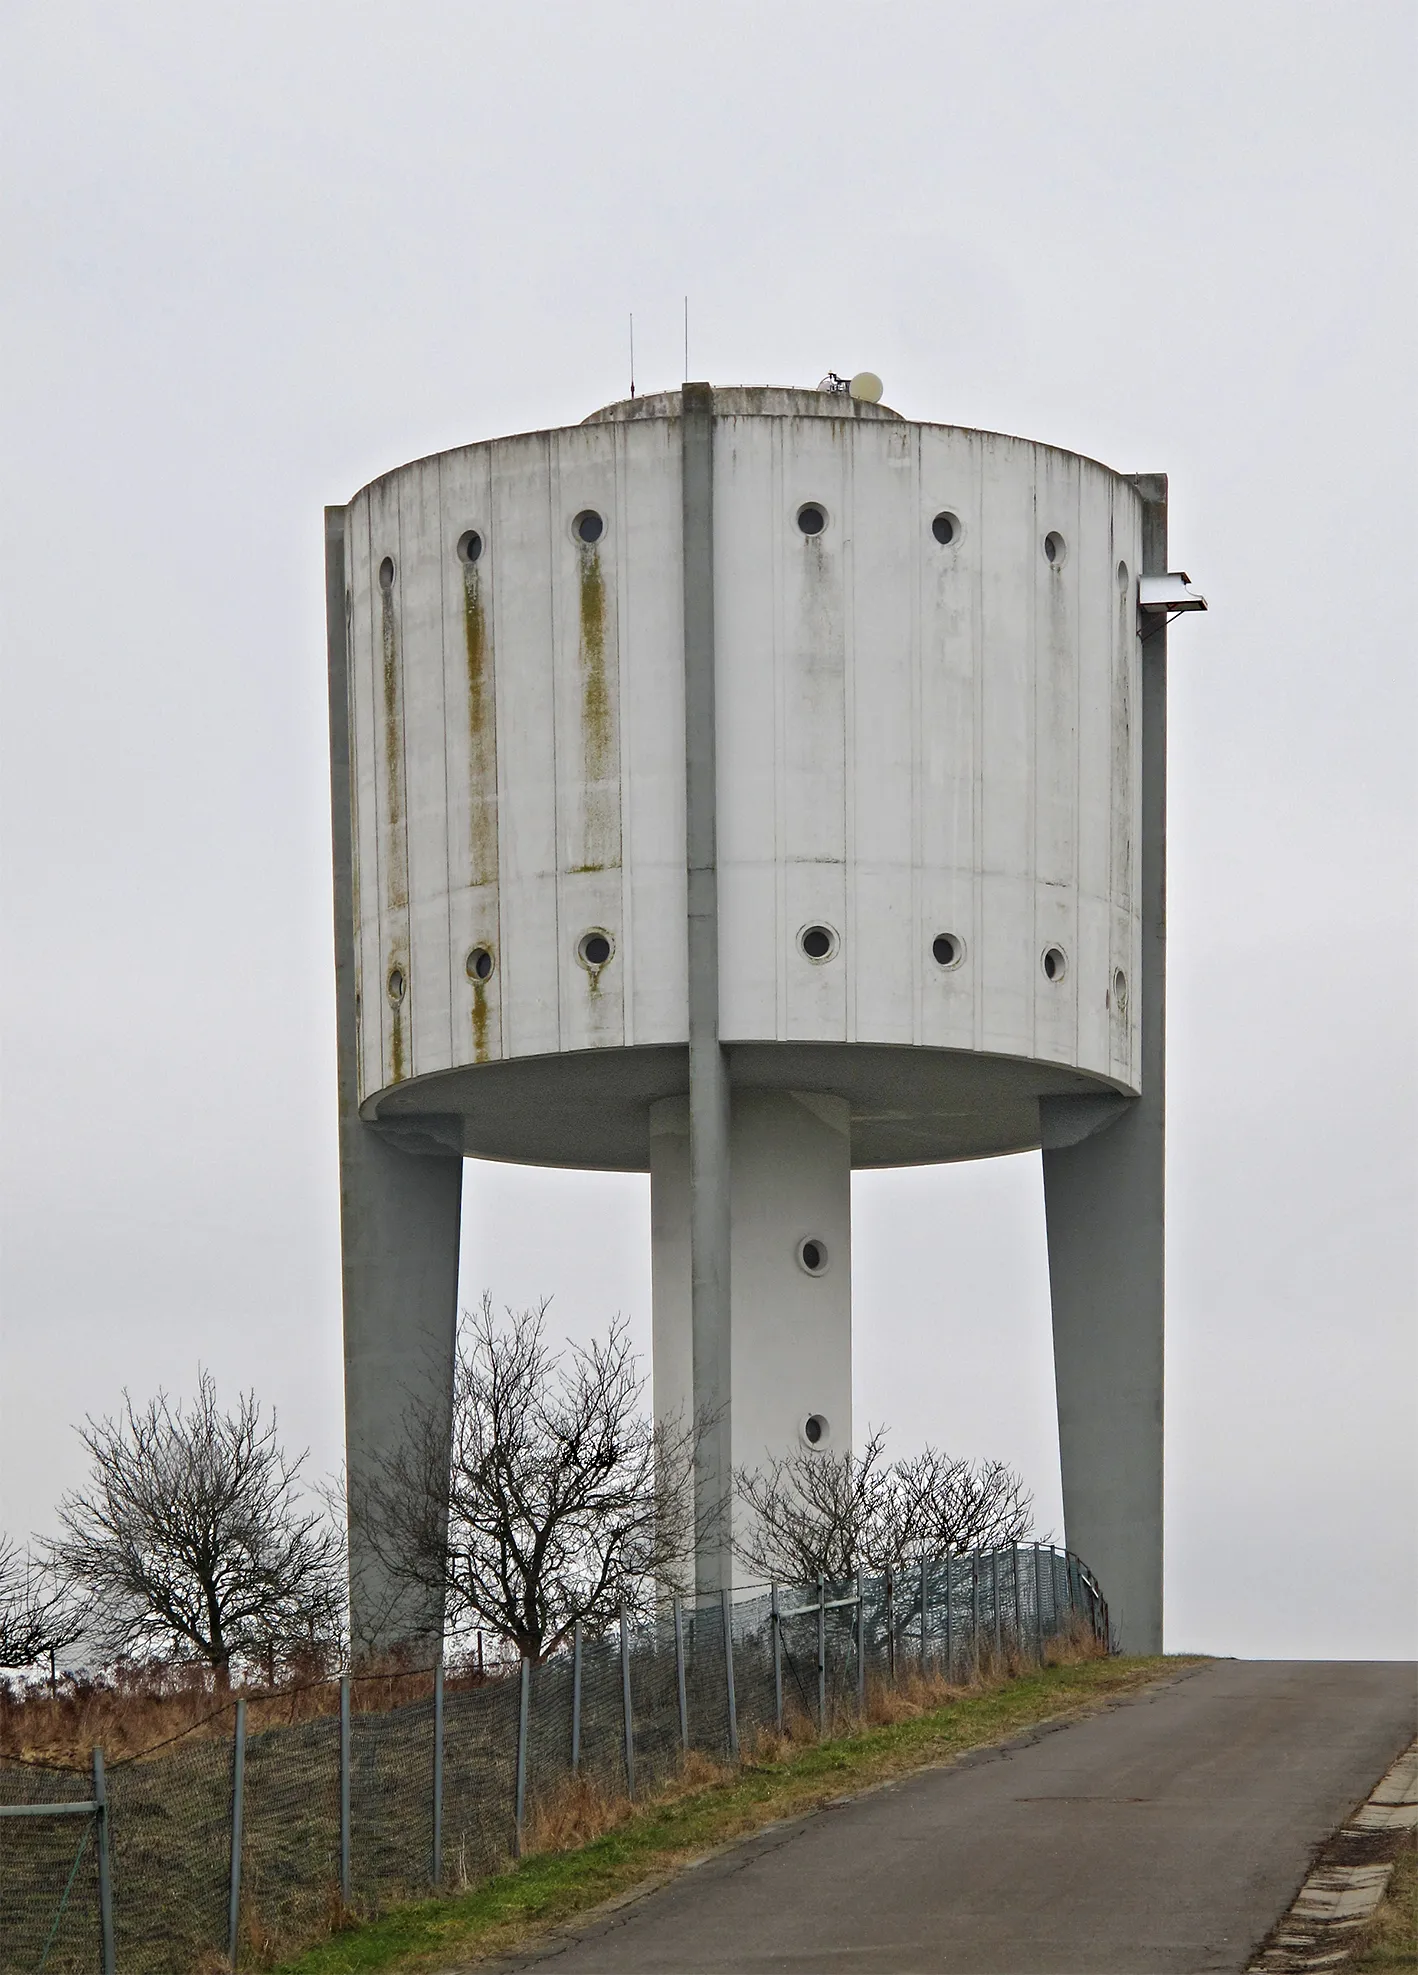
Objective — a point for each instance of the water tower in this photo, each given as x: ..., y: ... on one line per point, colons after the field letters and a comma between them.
x: 746, y: 786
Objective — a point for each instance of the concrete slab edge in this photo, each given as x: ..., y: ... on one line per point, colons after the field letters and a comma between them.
x: 1342, y: 1892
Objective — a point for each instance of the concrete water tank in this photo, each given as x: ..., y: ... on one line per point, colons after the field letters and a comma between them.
x: 745, y: 786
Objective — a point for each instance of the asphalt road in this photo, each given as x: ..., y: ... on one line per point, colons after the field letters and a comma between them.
x: 1168, y: 1833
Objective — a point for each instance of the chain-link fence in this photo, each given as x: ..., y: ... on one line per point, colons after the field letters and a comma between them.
x: 251, y: 1834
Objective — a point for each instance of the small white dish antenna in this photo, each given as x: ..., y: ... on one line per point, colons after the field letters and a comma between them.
x: 867, y: 387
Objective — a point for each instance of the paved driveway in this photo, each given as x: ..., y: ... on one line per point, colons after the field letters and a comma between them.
x: 1168, y: 1833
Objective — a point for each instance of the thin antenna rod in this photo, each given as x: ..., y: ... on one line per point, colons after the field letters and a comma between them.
x: 632, y: 353
x: 686, y: 338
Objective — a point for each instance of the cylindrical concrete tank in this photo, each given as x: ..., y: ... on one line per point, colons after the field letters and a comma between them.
x: 927, y: 749
x: 926, y: 815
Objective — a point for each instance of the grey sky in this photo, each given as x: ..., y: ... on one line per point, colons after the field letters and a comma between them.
x: 255, y: 255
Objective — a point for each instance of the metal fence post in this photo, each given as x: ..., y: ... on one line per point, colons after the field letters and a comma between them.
x: 996, y: 1607
x: 949, y: 1625
x: 681, y: 1690
x: 861, y: 1652
x: 777, y: 1659
x: 1018, y: 1600
x: 523, y: 1706
x: 975, y: 1610
x: 726, y: 1606
x: 346, y: 1886
x: 890, y: 1627
x: 923, y: 1614
x: 1039, y: 1599
x: 105, y: 1867
x: 576, y: 1698
x: 821, y: 1656
x: 438, y: 1774
x: 238, y: 1806
x: 625, y: 1702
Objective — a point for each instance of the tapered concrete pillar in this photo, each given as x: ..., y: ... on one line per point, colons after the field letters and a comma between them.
x: 399, y: 1232
x: 1104, y: 1198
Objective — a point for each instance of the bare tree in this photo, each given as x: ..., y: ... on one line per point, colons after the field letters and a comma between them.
x: 37, y: 1617
x: 191, y: 1537
x: 937, y: 1506
x: 560, y: 1499
x: 813, y: 1514
x: 826, y: 1514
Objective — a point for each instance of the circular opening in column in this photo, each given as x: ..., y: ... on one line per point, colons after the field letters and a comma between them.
x: 812, y: 1255
x: 480, y: 963
x: 396, y: 984
x: 594, y: 948
x: 817, y: 1430
x: 818, y: 943
x: 947, y: 950
x: 812, y: 518
x: 946, y: 529
x: 1055, y: 963
x: 588, y: 527
x: 1120, y: 991
x: 470, y: 546
x: 1055, y: 549
x: 386, y: 573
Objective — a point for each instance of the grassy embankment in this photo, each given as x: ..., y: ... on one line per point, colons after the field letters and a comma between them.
x: 587, y: 1850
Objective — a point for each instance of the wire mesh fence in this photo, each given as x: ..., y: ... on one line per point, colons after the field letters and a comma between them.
x: 251, y: 1834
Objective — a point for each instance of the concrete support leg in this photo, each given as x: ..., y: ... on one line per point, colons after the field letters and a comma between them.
x: 399, y: 1233
x: 1104, y: 1198
x: 791, y: 1324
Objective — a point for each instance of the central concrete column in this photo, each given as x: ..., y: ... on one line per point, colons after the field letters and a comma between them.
x: 791, y: 1232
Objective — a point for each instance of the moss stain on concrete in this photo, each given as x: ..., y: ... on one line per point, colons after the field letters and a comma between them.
x: 482, y: 733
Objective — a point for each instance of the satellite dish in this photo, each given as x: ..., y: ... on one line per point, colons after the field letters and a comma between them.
x: 866, y: 386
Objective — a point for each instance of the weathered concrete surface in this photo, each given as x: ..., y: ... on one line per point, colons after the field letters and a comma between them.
x: 1168, y: 1833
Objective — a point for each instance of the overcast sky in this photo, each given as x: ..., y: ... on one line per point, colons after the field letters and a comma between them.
x: 255, y: 254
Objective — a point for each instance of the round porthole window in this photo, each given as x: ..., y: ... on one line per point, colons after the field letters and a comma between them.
x: 588, y: 527
x: 812, y: 1255
x: 817, y: 1429
x: 480, y: 963
x: 594, y: 949
x: 1055, y: 963
x: 817, y: 943
x: 386, y: 573
x: 812, y: 519
x: 396, y: 985
x: 947, y: 949
x: 470, y: 546
x: 1055, y: 549
x: 1120, y: 992
x: 946, y: 529
x: 1123, y: 577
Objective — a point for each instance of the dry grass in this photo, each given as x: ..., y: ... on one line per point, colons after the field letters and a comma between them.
x: 132, y: 1711
x: 1390, y: 1940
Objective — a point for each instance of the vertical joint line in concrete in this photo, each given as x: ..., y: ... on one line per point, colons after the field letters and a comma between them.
x: 708, y: 1071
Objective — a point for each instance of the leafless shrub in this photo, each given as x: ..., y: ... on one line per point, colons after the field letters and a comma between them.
x: 560, y: 1499
x: 822, y: 1514
x: 190, y: 1539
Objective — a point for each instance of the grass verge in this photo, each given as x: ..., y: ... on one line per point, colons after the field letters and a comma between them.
x: 652, y: 1840
x: 1390, y: 1940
